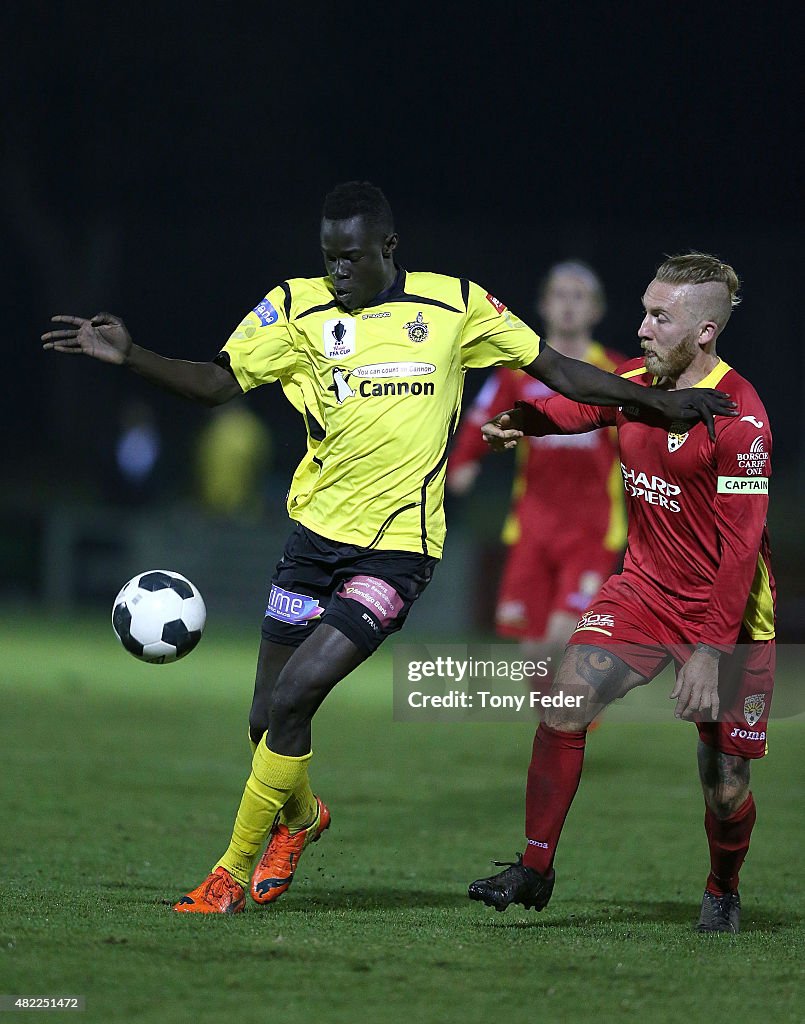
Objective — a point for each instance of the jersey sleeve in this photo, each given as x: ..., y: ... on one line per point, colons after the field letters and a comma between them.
x: 743, y: 462
x: 262, y: 347
x: 498, y: 394
x: 493, y: 335
x: 560, y: 415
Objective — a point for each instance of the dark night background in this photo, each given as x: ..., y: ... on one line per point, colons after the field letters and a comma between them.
x: 168, y: 163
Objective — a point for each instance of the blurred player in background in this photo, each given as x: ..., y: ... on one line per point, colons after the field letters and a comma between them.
x: 696, y: 588
x: 567, y: 525
x: 233, y: 454
x: 372, y: 357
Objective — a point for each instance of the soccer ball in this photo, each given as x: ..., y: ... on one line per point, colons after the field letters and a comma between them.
x: 159, y: 616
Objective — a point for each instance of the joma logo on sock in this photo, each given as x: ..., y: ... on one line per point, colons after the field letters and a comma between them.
x: 536, y: 842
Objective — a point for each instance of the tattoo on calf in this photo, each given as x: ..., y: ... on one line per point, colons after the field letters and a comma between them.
x: 725, y: 779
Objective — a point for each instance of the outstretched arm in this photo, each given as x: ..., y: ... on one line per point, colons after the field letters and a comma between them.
x: 584, y: 383
x: 105, y: 337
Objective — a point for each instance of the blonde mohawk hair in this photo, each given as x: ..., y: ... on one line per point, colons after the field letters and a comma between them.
x: 700, y: 268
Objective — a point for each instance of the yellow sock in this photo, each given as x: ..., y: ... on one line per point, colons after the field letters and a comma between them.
x: 272, y: 780
x: 301, y: 808
x: 252, y: 743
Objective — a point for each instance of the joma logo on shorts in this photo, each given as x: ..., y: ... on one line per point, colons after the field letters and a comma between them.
x: 747, y: 734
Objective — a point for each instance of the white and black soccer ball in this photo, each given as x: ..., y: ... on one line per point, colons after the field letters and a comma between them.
x: 159, y: 616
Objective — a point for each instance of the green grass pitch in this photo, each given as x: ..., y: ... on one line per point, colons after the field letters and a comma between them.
x: 120, y: 780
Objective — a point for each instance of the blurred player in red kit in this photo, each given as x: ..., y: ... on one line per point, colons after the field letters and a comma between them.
x: 696, y: 587
x: 567, y: 524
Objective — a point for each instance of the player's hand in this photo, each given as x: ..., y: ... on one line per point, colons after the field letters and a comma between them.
x: 103, y: 337
x: 696, y: 689
x: 693, y: 404
x: 504, y: 431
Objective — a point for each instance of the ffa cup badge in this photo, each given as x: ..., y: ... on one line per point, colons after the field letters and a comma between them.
x: 339, y: 338
x: 417, y: 329
x: 754, y: 706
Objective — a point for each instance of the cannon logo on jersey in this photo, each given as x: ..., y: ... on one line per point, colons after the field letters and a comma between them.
x: 651, y: 489
x: 340, y: 385
x: 394, y: 369
x: 367, y: 381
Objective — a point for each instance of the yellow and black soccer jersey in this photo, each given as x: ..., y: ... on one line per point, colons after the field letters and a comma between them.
x: 380, y: 391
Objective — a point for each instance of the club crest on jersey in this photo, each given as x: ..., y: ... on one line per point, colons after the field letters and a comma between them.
x: 675, y: 441
x: 417, y: 329
x: 339, y: 338
x: 754, y: 706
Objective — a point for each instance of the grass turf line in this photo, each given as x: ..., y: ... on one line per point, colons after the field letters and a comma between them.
x: 119, y: 782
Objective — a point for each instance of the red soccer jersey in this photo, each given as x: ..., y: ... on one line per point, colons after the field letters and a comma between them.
x: 697, y: 537
x: 554, y: 473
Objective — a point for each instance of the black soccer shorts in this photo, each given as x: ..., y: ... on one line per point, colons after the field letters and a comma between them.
x: 365, y: 594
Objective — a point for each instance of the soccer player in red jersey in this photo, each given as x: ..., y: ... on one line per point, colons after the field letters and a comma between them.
x: 556, y: 562
x: 696, y: 587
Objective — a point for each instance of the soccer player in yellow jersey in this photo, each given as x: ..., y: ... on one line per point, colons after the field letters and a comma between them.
x: 373, y: 357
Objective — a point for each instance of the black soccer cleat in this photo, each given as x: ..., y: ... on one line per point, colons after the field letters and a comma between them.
x: 720, y: 913
x: 517, y: 884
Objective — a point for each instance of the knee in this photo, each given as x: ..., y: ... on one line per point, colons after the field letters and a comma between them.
x: 565, y: 719
x: 725, y: 781
x: 725, y: 799
x: 292, y: 699
x: 570, y: 707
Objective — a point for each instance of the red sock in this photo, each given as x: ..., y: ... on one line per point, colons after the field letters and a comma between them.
x: 729, y: 844
x: 553, y: 778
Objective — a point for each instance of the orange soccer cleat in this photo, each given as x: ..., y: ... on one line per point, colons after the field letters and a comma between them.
x: 219, y: 893
x: 274, y: 873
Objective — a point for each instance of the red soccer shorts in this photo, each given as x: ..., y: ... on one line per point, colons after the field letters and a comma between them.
x: 540, y: 579
x: 647, y: 635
